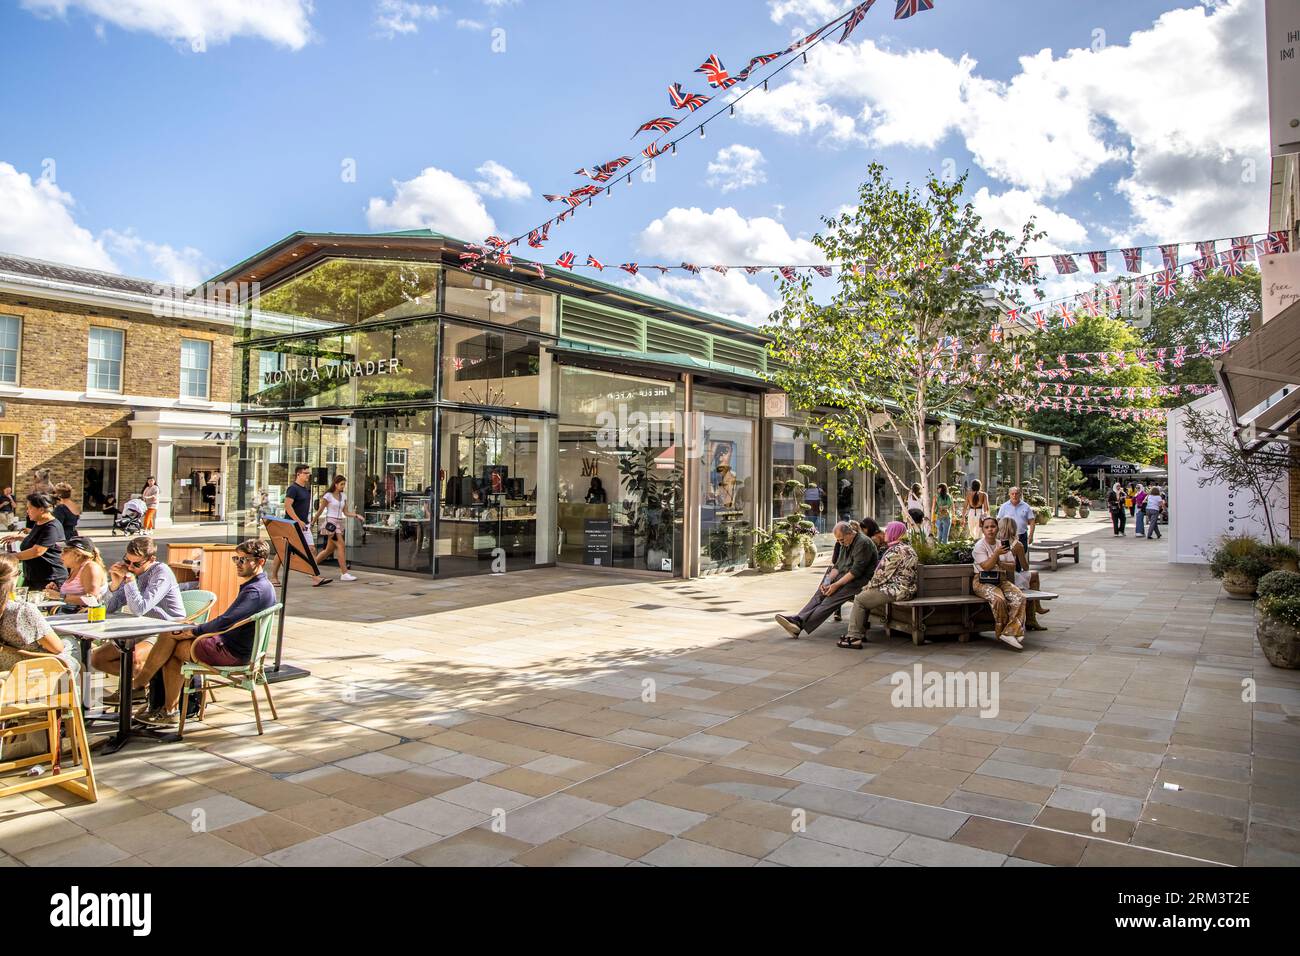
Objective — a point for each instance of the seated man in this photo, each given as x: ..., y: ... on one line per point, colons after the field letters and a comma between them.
x: 854, y: 561
x: 230, y: 649
x: 144, y: 586
x: 893, y: 580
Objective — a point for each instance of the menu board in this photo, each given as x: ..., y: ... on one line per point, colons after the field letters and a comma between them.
x: 598, y: 541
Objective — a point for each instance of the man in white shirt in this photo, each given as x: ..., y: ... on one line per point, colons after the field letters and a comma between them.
x: 1019, y: 511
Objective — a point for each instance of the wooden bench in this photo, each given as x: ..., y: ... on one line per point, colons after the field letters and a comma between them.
x: 1054, y: 550
x: 950, y: 591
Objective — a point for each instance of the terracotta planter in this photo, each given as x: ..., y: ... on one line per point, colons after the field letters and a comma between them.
x: 1280, y: 642
x: 1239, y: 586
x: 1071, y: 512
x: 809, y: 553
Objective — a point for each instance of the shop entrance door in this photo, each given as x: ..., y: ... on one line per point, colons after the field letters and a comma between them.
x: 197, y: 483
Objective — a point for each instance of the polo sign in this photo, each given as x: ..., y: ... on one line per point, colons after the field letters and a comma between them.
x: 332, y: 373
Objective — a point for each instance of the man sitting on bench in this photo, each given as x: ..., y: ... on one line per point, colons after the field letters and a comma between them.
x: 855, y: 560
x: 894, y: 580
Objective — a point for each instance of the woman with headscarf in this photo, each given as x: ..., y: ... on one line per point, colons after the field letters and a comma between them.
x: 894, y: 580
x: 1115, y: 502
x: 992, y: 556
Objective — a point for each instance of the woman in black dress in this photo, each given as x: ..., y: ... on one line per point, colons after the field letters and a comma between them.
x: 42, y: 547
x: 65, y: 512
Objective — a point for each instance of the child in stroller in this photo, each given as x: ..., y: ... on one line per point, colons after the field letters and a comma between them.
x: 131, y: 521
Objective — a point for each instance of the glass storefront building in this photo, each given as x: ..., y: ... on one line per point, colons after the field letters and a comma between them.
x: 493, y: 421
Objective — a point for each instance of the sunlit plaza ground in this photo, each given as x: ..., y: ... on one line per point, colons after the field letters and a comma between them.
x: 503, y: 720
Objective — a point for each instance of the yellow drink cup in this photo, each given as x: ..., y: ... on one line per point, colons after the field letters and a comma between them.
x: 96, y: 614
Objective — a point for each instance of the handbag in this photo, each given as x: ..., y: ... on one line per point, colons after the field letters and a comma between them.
x: 993, y: 578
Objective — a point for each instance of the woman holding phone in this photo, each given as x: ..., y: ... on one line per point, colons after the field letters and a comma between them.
x: 334, y: 507
x: 992, y: 556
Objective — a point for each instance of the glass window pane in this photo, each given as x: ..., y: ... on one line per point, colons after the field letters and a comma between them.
x: 196, y: 357
x: 10, y: 337
x: 485, y: 299
x: 486, y: 367
x: 104, y: 365
x: 727, y: 491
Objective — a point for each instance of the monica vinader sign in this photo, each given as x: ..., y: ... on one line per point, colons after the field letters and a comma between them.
x: 332, y: 373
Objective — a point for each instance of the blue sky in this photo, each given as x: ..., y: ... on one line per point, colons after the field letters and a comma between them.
x: 171, y: 138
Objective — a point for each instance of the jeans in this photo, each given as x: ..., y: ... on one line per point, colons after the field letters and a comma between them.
x: 942, y: 527
x: 1153, y: 524
x: 1141, y: 528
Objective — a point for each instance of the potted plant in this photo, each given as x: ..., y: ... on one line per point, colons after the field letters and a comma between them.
x: 794, y: 530
x: 656, y: 499
x: 1071, y: 503
x: 1277, y: 618
x: 768, y: 549
x: 1281, y: 557
x: 1238, y: 563
x: 1043, y: 515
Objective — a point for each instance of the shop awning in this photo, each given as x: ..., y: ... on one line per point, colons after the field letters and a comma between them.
x: 1260, y: 378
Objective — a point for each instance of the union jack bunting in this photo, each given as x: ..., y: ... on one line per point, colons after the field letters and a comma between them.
x: 595, y: 263
x: 995, y: 333
x: 614, y: 164
x: 787, y: 273
x: 583, y: 191
x: 1067, y: 316
x: 653, y: 150
x: 806, y: 40
x: 1231, y: 262
x: 503, y: 258
x: 1028, y: 263
x: 823, y: 271
x: 630, y: 267
x: 565, y: 261
x: 663, y: 124
x: 546, y: 232
x: 1180, y: 355
x: 1098, y: 261
x: 1138, y: 290
x: 539, y: 269
x: 1246, y: 246
x: 753, y: 270
x: 1206, y: 249
x: 1065, y: 264
x: 1090, y: 305
x: 856, y: 17
x: 1166, y: 284
x: 691, y: 268
x: 760, y: 60
x: 535, y: 238
x: 1170, y: 255
x: 716, y: 74
x: 1040, y: 321
x: 685, y: 101
x: 720, y: 269
x: 551, y: 197
x: 1278, y: 243
x: 496, y: 242
x: 1199, y: 269
x: 907, y: 8
x: 1132, y: 259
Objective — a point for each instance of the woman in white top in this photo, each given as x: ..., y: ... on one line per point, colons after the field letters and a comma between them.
x: 977, y: 508
x: 992, y: 554
x: 149, y: 495
x: 334, y: 508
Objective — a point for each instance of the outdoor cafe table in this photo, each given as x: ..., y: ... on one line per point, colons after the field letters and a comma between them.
x: 124, y: 631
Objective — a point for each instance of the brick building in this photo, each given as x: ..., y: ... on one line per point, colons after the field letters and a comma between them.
x: 105, y: 380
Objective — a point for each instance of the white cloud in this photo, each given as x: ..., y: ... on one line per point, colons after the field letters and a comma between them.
x: 186, y: 266
x: 197, y: 23
x: 731, y: 296
x: 1009, y: 211
x: 394, y: 17
x: 437, y: 200
x: 500, y: 183
x: 805, y: 11
x: 724, y: 237
x: 737, y: 167
x: 38, y: 223
x: 1176, y: 110
x: 474, y: 25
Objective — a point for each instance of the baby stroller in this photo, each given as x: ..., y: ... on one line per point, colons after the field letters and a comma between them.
x: 131, y: 521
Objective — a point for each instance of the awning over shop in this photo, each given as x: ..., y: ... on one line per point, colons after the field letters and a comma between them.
x: 1260, y: 378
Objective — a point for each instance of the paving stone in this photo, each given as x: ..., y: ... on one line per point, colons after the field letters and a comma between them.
x: 926, y: 851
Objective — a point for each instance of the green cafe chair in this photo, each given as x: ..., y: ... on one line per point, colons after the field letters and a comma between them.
x: 242, y: 676
x: 198, y: 605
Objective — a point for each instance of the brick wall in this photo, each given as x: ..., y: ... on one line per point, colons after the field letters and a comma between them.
x: 54, y: 356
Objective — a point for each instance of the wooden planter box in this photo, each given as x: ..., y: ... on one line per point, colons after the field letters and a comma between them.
x: 942, y: 580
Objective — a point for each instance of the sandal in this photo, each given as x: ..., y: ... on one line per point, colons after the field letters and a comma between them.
x: 850, y: 643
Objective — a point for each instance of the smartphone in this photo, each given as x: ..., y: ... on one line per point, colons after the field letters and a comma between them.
x: 1006, y: 544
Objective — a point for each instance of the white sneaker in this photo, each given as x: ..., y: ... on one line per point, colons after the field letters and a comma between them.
x: 348, y: 577
x: 1013, y: 641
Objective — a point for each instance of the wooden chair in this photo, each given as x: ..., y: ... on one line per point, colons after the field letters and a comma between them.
x: 243, y: 676
x: 35, y: 696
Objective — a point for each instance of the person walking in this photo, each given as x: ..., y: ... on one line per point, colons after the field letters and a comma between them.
x: 1022, y: 513
x: 977, y: 507
x: 297, y: 508
x: 1155, y: 506
x: 334, y: 506
x: 149, y: 494
x: 943, y: 514
x: 1115, y: 502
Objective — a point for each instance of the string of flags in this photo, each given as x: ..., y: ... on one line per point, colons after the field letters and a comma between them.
x: 1107, y: 363
x: 718, y: 78
x: 1131, y: 392
x: 1124, y: 414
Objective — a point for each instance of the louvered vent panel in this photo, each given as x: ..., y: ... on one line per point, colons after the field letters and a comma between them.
x: 597, y: 328
x: 673, y: 340
x: 741, y: 356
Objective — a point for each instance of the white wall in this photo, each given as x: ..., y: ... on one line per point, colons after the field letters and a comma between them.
x: 1198, y: 517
